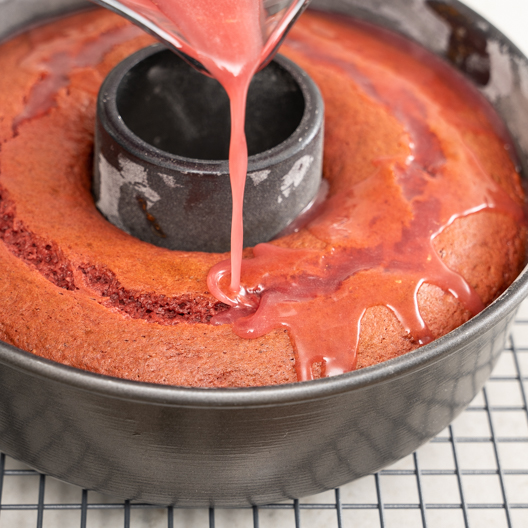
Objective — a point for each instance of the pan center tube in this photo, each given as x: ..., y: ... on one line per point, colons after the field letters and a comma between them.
x: 161, y: 169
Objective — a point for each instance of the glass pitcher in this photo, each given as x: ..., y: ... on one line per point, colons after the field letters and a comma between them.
x: 160, y: 18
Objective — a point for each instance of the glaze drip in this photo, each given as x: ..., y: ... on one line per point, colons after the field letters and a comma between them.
x: 380, y: 247
x: 230, y: 39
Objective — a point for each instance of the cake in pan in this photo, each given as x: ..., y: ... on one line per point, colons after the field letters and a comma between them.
x: 422, y: 228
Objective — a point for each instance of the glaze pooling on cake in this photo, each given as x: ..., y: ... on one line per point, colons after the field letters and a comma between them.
x: 94, y: 297
x: 367, y: 262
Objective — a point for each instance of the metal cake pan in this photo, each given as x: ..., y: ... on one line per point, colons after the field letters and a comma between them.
x: 232, y: 447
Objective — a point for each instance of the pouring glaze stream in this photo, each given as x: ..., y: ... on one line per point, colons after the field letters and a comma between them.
x: 230, y: 40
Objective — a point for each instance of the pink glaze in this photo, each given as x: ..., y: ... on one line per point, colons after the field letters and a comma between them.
x: 379, y: 244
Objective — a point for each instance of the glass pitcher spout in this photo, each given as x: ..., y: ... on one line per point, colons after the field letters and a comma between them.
x: 168, y: 21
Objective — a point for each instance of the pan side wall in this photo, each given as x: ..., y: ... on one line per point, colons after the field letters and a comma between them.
x: 231, y: 457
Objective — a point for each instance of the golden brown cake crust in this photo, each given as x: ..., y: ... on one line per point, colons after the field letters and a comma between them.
x: 128, y: 309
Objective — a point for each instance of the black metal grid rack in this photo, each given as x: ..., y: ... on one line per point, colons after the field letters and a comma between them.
x: 473, y: 474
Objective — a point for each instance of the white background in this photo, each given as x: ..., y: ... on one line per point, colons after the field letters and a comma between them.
x: 510, y: 16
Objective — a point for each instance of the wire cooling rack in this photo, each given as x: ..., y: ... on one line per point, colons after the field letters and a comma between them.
x: 473, y: 474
